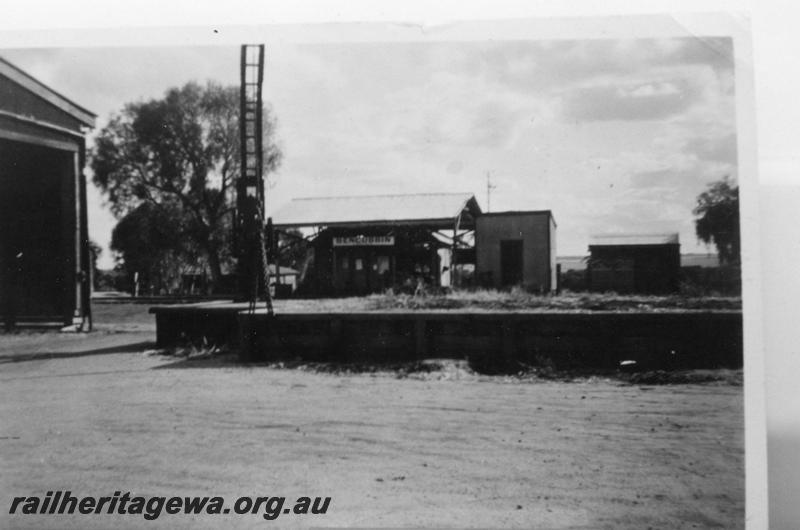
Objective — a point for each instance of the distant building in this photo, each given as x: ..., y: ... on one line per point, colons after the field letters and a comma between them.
x: 649, y: 263
x: 195, y: 282
x: 45, y: 271
x: 286, y: 276
x: 516, y: 248
x: 580, y: 263
x: 703, y: 261
x: 572, y: 263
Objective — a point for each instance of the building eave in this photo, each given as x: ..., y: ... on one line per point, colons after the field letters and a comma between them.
x: 46, y: 93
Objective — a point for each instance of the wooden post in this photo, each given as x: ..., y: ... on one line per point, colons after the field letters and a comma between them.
x: 88, y: 261
x: 77, y: 314
x: 272, y: 242
x: 335, y: 271
x: 453, y: 260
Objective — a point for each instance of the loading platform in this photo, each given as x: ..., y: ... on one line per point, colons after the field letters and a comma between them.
x: 569, y: 340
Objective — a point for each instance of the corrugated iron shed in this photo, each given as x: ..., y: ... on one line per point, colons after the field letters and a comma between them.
x: 432, y: 209
x: 285, y: 271
x: 635, y: 263
x: 44, y: 252
x: 613, y: 240
x: 25, y: 105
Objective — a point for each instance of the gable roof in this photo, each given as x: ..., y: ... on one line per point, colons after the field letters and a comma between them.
x: 46, y: 93
x: 434, y: 209
x: 613, y: 240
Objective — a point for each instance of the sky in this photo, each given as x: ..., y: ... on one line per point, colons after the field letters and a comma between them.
x: 612, y: 136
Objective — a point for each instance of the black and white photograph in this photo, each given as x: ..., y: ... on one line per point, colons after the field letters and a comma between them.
x: 483, y: 274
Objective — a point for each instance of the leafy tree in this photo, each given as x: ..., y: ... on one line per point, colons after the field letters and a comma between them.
x: 95, y: 250
x: 292, y: 248
x: 182, y: 150
x: 149, y: 240
x: 718, y: 219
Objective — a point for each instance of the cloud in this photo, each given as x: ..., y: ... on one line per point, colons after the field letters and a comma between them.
x: 663, y: 178
x: 609, y: 134
x: 716, y: 52
x: 549, y: 65
x: 648, y: 101
x: 716, y: 149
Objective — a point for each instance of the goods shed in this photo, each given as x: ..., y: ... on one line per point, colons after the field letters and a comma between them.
x: 44, y: 253
x: 364, y: 244
x: 517, y: 249
x: 644, y: 263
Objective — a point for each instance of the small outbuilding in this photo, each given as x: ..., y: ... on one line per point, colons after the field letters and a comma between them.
x: 516, y: 249
x: 44, y: 253
x: 645, y: 263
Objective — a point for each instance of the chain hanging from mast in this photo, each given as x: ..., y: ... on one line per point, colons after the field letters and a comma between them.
x: 253, y: 267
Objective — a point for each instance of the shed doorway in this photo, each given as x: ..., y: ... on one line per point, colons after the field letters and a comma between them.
x: 37, y: 210
x: 511, y: 262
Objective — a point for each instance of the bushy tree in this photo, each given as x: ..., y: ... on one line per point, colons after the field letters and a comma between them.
x: 718, y: 219
x: 95, y: 250
x: 292, y: 248
x: 150, y: 241
x: 182, y: 150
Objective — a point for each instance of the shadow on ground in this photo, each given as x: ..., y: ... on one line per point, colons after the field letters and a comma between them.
x: 40, y: 356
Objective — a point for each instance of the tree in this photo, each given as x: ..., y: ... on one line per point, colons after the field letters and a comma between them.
x: 182, y: 150
x: 718, y: 221
x: 95, y: 250
x: 292, y: 248
x: 150, y: 241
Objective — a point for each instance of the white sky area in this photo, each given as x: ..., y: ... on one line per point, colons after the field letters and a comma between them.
x: 613, y: 136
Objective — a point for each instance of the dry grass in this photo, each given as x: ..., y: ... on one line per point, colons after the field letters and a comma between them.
x: 520, y: 300
x: 460, y: 300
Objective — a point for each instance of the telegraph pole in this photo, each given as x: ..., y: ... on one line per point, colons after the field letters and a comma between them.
x: 489, y: 188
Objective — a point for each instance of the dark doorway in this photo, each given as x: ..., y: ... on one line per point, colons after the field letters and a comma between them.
x: 37, y: 212
x: 360, y: 268
x: 511, y: 262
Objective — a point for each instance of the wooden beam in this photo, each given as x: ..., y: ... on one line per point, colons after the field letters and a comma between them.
x: 453, y: 258
x: 37, y: 140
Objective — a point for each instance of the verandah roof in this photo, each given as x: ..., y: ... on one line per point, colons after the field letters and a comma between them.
x: 436, y: 210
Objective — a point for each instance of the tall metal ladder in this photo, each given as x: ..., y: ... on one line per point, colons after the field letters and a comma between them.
x: 250, y: 191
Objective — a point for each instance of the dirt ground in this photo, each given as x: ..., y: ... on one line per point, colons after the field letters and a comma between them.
x: 101, y: 413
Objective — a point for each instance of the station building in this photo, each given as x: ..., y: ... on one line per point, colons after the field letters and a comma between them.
x: 367, y: 244
x: 44, y: 253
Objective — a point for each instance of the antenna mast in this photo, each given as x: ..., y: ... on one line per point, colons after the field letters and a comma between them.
x: 489, y: 188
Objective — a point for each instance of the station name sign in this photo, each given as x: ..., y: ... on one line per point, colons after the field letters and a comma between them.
x: 363, y: 241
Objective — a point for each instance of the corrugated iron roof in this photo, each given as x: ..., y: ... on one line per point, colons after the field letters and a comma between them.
x: 614, y: 240
x: 699, y: 260
x: 285, y: 271
x: 30, y: 83
x: 375, y: 209
x: 687, y: 260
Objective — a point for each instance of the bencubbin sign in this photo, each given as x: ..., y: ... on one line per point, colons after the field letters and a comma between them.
x: 363, y: 241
